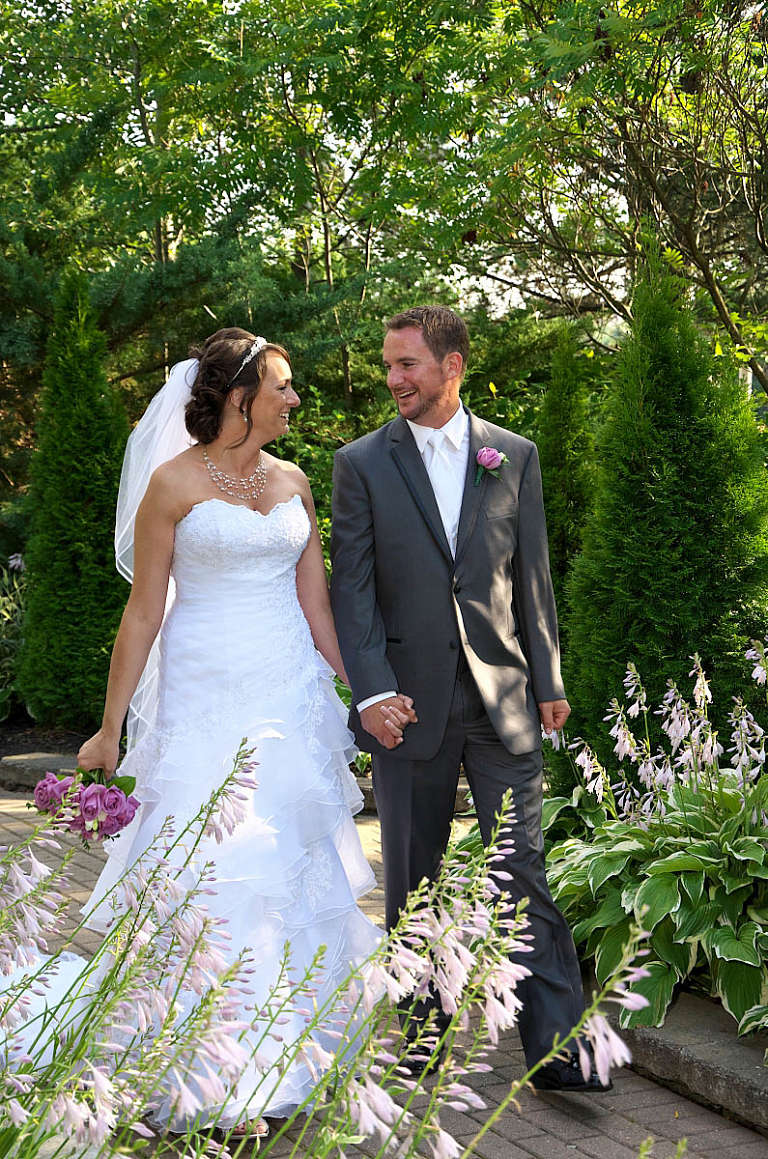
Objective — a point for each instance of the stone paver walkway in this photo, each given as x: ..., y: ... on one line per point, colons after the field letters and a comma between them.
x: 544, y: 1126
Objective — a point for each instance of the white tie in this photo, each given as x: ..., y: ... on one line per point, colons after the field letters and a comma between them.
x: 445, y: 484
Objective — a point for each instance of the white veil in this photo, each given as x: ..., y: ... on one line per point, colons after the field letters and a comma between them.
x: 159, y: 436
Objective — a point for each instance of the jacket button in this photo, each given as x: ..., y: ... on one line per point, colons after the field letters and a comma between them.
x: 456, y: 589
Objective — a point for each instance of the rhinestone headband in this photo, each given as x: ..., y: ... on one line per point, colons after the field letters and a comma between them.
x: 258, y: 344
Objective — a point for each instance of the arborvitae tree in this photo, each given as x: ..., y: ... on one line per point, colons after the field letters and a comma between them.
x: 566, y: 449
x: 675, y: 549
x: 74, y: 594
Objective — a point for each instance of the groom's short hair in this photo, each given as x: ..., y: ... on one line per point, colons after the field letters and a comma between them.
x: 444, y: 332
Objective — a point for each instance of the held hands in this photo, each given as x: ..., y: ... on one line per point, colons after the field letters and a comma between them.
x: 554, y: 714
x: 387, y: 719
x: 100, y: 752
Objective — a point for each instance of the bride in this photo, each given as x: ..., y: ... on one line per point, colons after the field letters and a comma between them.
x: 228, y: 633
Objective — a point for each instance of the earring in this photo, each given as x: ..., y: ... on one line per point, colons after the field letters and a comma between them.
x: 245, y: 416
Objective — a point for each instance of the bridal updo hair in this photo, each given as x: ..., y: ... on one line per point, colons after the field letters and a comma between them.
x: 221, y: 357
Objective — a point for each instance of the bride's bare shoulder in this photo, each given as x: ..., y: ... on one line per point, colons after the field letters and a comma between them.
x: 175, y: 485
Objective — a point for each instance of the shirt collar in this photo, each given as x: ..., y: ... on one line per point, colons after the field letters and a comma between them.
x: 455, y: 430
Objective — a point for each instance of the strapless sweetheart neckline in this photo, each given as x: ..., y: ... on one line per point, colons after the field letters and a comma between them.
x: 241, y: 506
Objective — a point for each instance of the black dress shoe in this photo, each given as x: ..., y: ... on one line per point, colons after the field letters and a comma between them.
x: 565, y: 1075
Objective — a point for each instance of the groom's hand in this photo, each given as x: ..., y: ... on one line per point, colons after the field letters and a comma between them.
x: 554, y: 714
x: 387, y: 719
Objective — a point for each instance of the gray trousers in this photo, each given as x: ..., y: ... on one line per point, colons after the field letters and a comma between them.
x: 415, y: 802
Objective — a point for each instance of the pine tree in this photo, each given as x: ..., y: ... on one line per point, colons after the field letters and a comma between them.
x: 566, y: 449
x: 74, y: 595
x: 675, y: 550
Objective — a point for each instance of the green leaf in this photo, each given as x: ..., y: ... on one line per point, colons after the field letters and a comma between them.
x: 740, y: 987
x: 656, y: 897
x: 658, y: 989
x: 694, y: 921
x: 736, y: 946
x: 693, y: 884
x: 609, y: 913
x: 611, y: 949
x: 748, y: 849
x: 755, y: 1019
x: 550, y: 809
x: 673, y: 950
x: 127, y: 784
x: 677, y: 862
x: 604, y: 867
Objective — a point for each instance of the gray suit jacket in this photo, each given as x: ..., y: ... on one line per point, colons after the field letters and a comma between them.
x: 404, y: 607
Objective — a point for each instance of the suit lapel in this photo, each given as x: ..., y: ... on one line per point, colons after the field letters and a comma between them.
x: 473, y: 495
x: 411, y: 466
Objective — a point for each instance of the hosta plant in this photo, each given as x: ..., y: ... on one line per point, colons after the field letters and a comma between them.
x: 678, y: 843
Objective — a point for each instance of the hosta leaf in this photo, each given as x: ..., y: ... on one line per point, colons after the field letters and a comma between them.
x: 732, y: 903
x: 678, y: 862
x: 550, y: 808
x: 611, y: 948
x: 748, y: 849
x: 693, y: 884
x: 656, y: 897
x: 604, y: 867
x: 756, y: 1018
x: 736, y: 945
x: 672, y: 950
x: 658, y: 989
x: 609, y: 913
x: 693, y: 921
x: 740, y: 987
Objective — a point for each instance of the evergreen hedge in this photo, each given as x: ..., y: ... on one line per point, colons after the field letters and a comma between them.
x: 675, y: 548
x: 566, y: 449
x: 74, y: 594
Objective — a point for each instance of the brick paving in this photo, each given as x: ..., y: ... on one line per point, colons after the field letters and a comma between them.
x: 542, y: 1126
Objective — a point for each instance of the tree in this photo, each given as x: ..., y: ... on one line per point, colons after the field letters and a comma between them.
x: 566, y: 448
x: 675, y: 549
x: 74, y: 594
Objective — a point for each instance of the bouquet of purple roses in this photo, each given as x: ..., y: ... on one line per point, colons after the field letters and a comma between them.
x: 87, y: 803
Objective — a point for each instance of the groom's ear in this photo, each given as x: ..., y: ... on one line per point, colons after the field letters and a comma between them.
x: 453, y: 365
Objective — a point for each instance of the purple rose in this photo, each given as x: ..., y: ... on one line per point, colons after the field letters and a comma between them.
x: 76, y: 824
x: 109, y: 826
x: 91, y: 802
x: 60, y: 790
x: 113, y: 801
x: 489, y: 458
x: 44, y: 792
x: 128, y: 812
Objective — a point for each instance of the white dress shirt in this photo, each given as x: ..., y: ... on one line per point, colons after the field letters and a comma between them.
x: 445, y: 451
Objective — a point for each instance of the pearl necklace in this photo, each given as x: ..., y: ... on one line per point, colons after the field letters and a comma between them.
x: 246, y: 489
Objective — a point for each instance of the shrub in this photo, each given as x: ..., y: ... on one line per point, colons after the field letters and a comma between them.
x: 74, y: 596
x: 679, y: 846
x: 11, y: 616
x: 675, y: 552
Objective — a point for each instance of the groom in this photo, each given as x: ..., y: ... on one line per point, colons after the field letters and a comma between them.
x: 442, y: 596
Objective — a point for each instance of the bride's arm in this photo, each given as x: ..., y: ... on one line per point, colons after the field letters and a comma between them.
x: 143, y: 615
x: 312, y: 587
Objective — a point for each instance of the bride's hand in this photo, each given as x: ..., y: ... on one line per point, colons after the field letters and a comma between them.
x: 100, y: 752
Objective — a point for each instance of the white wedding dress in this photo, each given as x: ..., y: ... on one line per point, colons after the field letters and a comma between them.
x: 237, y: 660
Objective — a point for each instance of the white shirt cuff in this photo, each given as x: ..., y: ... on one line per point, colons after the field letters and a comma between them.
x: 374, y: 700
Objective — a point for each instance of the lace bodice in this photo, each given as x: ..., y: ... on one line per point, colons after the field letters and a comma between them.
x: 236, y: 628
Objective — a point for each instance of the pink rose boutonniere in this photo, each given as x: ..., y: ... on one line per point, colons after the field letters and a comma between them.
x: 490, y: 460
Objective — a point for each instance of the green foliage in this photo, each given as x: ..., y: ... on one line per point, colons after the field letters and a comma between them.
x: 74, y: 595
x: 11, y: 616
x: 675, y: 553
x: 566, y: 448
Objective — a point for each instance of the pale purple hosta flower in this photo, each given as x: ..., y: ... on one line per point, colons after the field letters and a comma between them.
x: 702, y: 694
x: 608, y: 1049
x: 757, y: 654
x: 626, y: 745
x: 676, y: 716
x: 634, y: 690
x: 747, y: 742
x: 16, y: 1113
x: 591, y: 768
x: 16, y: 562
x: 444, y: 1146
